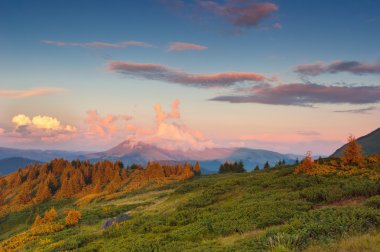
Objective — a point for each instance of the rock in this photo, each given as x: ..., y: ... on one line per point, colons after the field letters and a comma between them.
x: 121, y: 218
x: 108, y: 223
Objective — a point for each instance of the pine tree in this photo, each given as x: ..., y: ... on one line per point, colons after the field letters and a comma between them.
x: 197, y: 169
x: 266, y: 166
x: 43, y: 193
x: 25, y: 195
x: 51, y: 215
x: 257, y: 168
x: 38, y: 220
x: 306, y: 165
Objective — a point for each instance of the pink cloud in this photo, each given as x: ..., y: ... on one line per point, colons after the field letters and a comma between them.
x: 301, y: 94
x: 37, y: 91
x: 95, y: 44
x: 164, y: 73
x: 104, y: 127
x: 338, y: 66
x: 169, y: 132
x: 241, y: 13
x: 162, y: 116
x: 182, y: 46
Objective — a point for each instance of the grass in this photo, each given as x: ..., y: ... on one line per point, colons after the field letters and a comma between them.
x: 271, y: 210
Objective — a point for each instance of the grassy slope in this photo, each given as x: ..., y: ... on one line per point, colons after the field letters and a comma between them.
x: 259, y: 211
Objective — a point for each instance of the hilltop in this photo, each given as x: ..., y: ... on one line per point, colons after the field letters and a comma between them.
x: 370, y: 144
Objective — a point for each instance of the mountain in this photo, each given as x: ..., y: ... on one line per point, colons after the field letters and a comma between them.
x: 132, y: 151
x: 370, y: 144
x: 9, y: 165
x: 41, y: 155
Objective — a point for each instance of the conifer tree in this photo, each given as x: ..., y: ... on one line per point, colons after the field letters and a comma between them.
x: 352, y: 154
x: 197, y: 169
x: 266, y: 166
x: 51, y: 215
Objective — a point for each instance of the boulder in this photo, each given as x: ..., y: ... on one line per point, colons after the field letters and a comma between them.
x: 121, y: 218
x: 108, y: 223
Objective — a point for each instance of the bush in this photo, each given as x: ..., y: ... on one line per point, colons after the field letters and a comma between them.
x: 72, y: 218
x: 373, y: 202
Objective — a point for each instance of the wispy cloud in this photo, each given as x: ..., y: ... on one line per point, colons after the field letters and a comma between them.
x: 183, y: 46
x: 308, y: 133
x: 357, y: 111
x: 96, y: 44
x: 37, y: 91
x: 240, y: 13
x: 301, y: 94
x: 338, y: 66
x: 164, y: 73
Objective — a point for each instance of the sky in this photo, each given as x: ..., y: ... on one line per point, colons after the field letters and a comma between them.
x: 288, y: 76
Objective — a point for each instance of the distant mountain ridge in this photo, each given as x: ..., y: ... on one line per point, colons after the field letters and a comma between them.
x: 131, y: 151
x: 370, y: 144
x: 9, y: 165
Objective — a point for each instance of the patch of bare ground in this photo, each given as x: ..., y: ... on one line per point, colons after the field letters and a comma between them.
x: 343, y: 202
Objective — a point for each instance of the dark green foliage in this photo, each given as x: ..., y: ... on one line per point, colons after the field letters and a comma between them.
x: 323, y: 224
x: 94, y: 215
x: 234, y: 167
x: 373, y: 202
x: 266, y: 166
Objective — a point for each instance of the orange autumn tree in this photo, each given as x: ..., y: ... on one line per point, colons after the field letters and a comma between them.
x: 73, y: 217
x: 306, y: 165
x: 51, y: 215
x: 352, y: 154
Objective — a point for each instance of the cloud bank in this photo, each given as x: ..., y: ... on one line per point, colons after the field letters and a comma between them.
x: 301, y: 94
x: 164, y: 73
x: 339, y: 66
x: 240, y: 13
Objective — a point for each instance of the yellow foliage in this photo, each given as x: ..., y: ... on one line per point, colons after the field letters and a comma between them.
x: 51, y: 215
x: 73, y: 217
x: 16, y: 242
x: 46, y: 228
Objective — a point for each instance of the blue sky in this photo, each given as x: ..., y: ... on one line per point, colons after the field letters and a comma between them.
x: 273, y: 38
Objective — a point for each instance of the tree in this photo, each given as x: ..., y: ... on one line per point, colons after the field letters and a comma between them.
x: 306, y: 165
x: 43, y: 192
x: 25, y: 195
x: 266, y: 166
x: 51, y: 215
x: 257, y: 168
x: 73, y: 217
x: 352, y: 154
x: 38, y: 220
x: 197, y: 169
